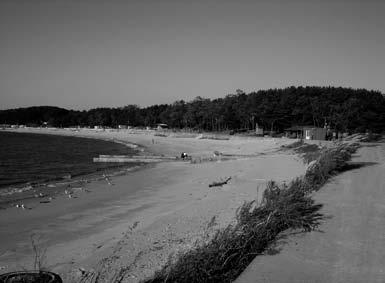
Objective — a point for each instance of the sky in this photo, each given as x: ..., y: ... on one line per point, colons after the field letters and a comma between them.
x: 82, y: 54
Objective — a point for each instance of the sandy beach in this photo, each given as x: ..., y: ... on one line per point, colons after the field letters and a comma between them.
x: 147, y: 215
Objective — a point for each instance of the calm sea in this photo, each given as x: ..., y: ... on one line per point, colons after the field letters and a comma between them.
x: 40, y: 158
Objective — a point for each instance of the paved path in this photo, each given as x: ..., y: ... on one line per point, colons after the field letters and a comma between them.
x: 350, y: 246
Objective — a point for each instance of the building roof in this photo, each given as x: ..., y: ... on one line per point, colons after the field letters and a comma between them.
x: 295, y: 128
x: 301, y: 128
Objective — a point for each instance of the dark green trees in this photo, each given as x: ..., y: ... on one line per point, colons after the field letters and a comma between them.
x: 344, y: 109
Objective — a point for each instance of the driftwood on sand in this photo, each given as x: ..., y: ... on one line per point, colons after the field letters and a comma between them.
x: 219, y: 184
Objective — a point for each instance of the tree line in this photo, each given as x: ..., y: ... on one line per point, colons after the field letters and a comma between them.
x: 343, y: 109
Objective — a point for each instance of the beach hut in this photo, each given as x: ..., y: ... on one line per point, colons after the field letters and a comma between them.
x: 306, y: 132
x: 314, y: 133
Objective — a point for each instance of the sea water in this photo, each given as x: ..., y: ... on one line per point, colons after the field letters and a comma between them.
x: 35, y: 158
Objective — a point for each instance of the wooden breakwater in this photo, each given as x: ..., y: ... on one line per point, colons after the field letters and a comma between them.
x: 162, y: 158
x: 134, y: 158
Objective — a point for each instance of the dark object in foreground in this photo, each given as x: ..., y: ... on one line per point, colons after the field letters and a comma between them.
x: 30, y: 277
x: 219, y: 184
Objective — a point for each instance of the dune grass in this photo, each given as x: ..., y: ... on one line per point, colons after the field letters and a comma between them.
x: 308, y: 152
x: 283, y: 207
x: 293, y: 144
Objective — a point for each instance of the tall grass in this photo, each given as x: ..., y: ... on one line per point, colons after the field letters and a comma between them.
x: 308, y: 152
x: 293, y: 145
x: 283, y: 207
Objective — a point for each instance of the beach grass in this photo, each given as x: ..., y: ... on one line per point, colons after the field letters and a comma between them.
x: 293, y: 145
x: 258, y: 226
x: 308, y: 152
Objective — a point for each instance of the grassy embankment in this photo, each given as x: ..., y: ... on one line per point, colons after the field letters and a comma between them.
x: 283, y: 207
x: 308, y: 152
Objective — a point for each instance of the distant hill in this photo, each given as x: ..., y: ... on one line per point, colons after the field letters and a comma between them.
x: 344, y: 109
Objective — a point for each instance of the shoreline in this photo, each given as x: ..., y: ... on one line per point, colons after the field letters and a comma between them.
x: 149, y: 214
x: 25, y: 191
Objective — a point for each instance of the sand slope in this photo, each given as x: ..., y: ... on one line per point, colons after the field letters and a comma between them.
x: 350, y: 247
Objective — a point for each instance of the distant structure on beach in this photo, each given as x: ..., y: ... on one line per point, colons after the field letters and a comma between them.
x: 314, y: 133
x: 258, y: 130
x: 161, y: 126
x: 306, y: 132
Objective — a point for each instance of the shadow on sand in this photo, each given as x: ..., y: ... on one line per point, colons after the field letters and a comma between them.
x: 356, y: 165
